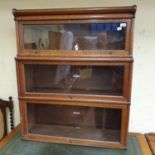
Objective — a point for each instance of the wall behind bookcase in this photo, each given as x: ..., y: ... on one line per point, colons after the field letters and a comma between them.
x: 143, y: 99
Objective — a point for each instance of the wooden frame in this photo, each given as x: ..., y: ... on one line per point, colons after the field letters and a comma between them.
x: 80, y: 57
x: 71, y: 53
x: 125, y: 97
x: 32, y: 136
x: 150, y: 137
x: 3, y: 107
x: 76, y: 15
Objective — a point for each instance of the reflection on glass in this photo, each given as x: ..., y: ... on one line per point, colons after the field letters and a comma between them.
x: 94, y: 36
x: 100, y: 80
x: 92, y: 123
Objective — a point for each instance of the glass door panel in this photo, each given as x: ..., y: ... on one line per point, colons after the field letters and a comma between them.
x: 71, y: 79
x: 75, y: 37
x: 100, y: 124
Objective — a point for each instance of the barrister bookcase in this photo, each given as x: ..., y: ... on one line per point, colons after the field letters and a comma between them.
x: 74, y: 71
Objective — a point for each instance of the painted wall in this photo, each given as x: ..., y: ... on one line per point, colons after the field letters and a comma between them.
x: 142, y: 118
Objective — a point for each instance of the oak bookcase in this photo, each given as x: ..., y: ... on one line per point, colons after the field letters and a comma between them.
x: 74, y: 70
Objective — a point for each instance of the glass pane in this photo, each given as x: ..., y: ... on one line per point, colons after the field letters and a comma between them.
x: 100, y: 80
x: 102, y: 124
x: 94, y: 36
